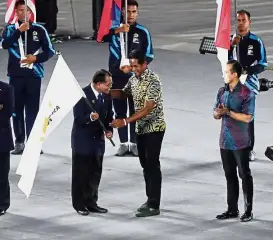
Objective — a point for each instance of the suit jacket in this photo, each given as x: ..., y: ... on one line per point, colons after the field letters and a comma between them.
x: 6, y: 110
x: 87, y: 136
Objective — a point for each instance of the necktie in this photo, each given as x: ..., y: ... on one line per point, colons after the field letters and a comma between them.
x: 100, y: 100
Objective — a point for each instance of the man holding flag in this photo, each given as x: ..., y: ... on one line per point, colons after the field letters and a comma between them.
x: 88, y: 143
x: 138, y: 39
x: 25, y: 66
x: 252, y: 56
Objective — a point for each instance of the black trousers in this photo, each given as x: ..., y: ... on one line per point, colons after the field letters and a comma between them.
x: 97, y: 8
x: 149, y: 149
x: 252, y: 134
x: 86, y: 176
x: 121, y: 107
x: 231, y: 160
x: 47, y: 13
x: 4, y: 180
x: 27, y: 97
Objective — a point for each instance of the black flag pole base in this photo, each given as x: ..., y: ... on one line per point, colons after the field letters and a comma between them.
x: 269, y: 152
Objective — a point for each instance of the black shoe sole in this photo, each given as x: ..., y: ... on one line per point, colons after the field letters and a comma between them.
x: 16, y: 153
x: 227, y: 218
x: 96, y: 211
x: 143, y: 214
x: 126, y: 154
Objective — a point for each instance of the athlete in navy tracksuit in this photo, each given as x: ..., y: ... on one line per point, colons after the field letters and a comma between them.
x: 252, y: 56
x: 138, y: 39
x: 26, y: 82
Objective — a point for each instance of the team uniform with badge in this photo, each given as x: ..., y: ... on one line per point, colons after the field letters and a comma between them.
x: 252, y: 56
x: 138, y: 39
x: 26, y: 80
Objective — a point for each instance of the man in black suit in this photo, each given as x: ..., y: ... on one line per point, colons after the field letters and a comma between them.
x: 6, y: 143
x: 88, y: 143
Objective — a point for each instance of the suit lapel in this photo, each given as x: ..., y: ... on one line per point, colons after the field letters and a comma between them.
x: 93, y: 100
x: 91, y: 96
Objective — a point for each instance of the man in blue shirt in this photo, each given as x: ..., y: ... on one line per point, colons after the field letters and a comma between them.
x: 138, y: 39
x: 235, y: 105
x: 26, y: 81
x: 252, y: 56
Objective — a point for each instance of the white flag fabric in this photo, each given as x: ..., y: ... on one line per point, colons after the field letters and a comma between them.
x: 124, y: 59
x: 62, y: 93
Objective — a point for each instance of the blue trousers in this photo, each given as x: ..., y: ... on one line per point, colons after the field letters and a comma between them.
x: 27, y: 98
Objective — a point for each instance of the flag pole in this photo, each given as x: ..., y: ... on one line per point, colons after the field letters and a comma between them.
x: 126, y: 34
x: 236, y: 29
x: 99, y: 120
x: 73, y: 18
x: 26, y: 20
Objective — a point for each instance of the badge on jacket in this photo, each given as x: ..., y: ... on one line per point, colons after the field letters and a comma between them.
x: 136, y: 38
x: 1, y: 106
x: 250, y: 50
x: 35, y: 36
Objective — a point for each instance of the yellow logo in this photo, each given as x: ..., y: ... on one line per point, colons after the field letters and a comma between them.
x: 47, y: 120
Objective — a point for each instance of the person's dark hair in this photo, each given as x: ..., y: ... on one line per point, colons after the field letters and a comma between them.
x: 131, y: 3
x: 100, y: 76
x: 244, y: 12
x: 137, y: 54
x: 236, y: 67
x: 19, y: 3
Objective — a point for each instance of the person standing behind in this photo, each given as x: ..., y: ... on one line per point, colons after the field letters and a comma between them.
x: 88, y: 143
x: 235, y: 105
x: 6, y: 143
x: 252, y: 56
x: 26, y: 81
x: 138, y: 39
x: 47, y: 11
x: 145, y: 88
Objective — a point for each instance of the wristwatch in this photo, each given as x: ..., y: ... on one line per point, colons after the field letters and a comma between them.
x: 228, y: 113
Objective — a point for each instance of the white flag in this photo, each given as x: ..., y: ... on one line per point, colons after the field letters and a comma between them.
x: 62, y: 93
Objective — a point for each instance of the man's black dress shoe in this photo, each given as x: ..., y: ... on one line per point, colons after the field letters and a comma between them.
x: 2, y: 212
x: 148, y: 212
x: 83, y: 212
x: 18, y: 149
x: 246, y: 217
x: 97, y: 209
x: 228, y: 215
x: 144, y: 206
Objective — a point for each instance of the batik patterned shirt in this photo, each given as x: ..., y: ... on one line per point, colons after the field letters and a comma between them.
x: 147, y: 88
x: 235, y: 134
